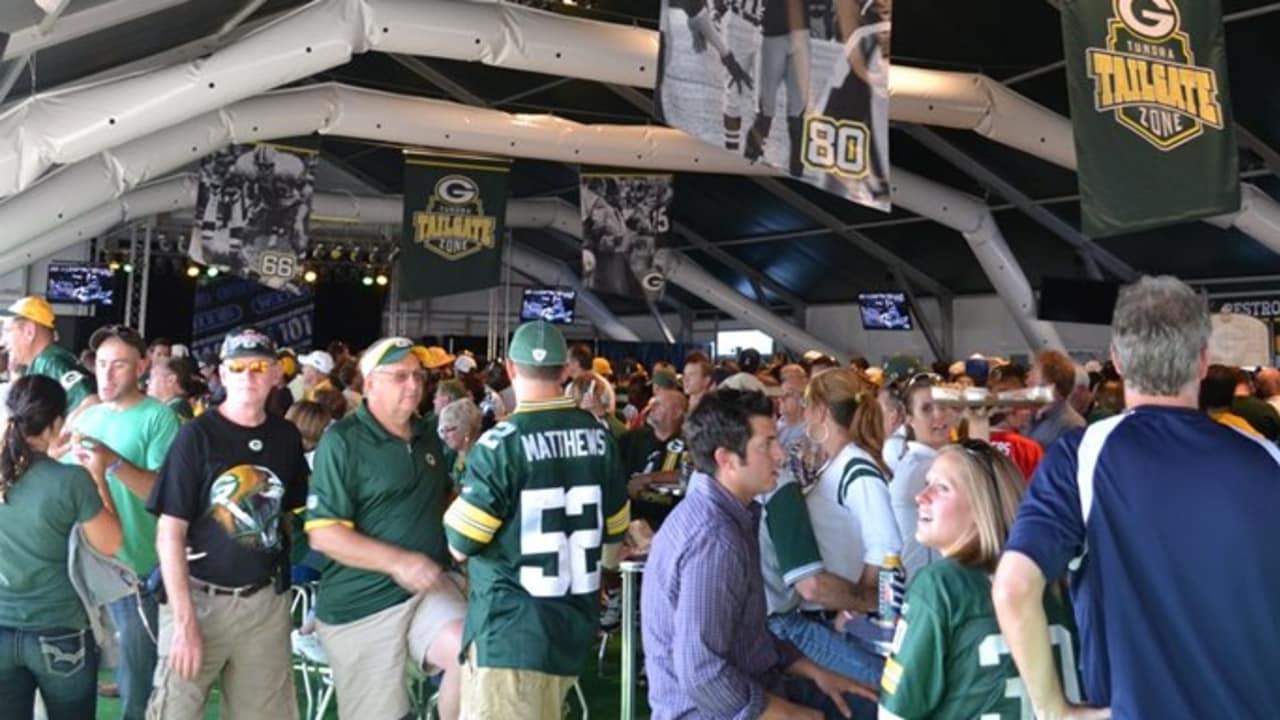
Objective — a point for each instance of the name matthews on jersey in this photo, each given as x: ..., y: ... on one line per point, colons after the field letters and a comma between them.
x: 559, y: 444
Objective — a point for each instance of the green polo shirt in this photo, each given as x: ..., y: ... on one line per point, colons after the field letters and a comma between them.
x: 58, y: 363
x: 386, y: 489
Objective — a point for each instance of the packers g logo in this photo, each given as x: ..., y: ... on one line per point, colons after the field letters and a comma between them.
x: 457, y: 189
x: 1155, y: 23
x: 1147, y: 76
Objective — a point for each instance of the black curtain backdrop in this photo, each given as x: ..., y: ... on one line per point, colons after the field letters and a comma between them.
x: 346, y: 311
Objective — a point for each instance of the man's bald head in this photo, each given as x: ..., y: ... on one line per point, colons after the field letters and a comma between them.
x: 1268, y: 382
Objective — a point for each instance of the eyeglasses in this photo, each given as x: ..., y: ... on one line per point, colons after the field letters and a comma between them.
x: 446, y: 429
x: 401, y: 377
x: 256, y: 367
x: 985, y: 454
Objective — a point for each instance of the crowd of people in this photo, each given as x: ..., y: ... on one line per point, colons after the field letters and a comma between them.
x: 1097, y: 549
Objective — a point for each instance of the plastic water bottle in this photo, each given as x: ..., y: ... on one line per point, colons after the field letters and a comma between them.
x: 889, y: 601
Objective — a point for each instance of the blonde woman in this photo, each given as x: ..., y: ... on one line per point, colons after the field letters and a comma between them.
x: 949, y: 659
x: 849, y: 504
x: 595, y: 394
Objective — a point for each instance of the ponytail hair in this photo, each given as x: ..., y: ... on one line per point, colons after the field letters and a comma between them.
x: 851, y: 400
x: 35, y: 403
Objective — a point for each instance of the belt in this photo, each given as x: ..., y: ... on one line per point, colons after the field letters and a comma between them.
x: 823, y: 616
x: 244, y: 591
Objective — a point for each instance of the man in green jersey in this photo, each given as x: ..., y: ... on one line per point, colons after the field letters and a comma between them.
x: 124, y: 439
x: 542, y: 508
x: 378, y: 492
x: 28, y: 333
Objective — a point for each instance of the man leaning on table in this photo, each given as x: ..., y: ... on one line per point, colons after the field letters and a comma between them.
x: 708, y: 650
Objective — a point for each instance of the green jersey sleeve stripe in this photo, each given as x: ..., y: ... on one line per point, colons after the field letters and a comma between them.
x: 795, y: 575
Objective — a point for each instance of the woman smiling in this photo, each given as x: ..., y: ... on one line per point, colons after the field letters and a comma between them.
x: 949, y: 659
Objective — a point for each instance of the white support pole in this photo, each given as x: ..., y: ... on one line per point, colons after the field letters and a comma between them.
x: 973, y: 219
x: 683, y: 272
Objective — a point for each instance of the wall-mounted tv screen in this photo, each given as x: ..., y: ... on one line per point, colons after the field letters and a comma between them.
x: 81, y: 284
x: 554, y: 305
x: 1078, y: 301
x: 884, y: 311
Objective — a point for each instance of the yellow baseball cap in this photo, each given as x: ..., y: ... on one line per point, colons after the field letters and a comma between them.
x: 391, y: 349
x: 33, y: 308
x: 601, y: 365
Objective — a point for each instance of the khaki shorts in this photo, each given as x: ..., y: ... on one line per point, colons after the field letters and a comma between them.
x: 368, y: 655
x: 506, y: 693
x: 246, y: 649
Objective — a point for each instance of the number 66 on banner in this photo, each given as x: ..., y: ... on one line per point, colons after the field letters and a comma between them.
x: 835, y: 146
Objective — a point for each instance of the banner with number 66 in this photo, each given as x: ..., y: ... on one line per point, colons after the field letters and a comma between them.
x: 252, y: 210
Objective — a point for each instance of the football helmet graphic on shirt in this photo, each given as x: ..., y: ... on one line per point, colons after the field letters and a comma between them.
x: 245, y: 501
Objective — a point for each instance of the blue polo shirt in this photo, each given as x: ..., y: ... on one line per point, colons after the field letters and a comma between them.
x: 1175, y: 563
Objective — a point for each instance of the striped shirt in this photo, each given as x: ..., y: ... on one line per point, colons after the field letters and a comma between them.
x: 708, y: 651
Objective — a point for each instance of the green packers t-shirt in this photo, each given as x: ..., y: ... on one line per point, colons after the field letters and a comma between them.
x: 384, y: 488
x: 949, y: 659
x: 141, y: 435
x: 36, y: 519
x: 58, y: 363
x: 541, y: 494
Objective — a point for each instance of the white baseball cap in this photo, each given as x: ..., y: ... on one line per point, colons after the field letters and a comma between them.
x: 464, y: 364
x: 318, y: 360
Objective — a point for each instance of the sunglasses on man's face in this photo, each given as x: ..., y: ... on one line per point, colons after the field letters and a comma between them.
x: 256, y: 367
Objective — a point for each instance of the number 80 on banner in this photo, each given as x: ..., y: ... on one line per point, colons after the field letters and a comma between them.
x: 835, y: 146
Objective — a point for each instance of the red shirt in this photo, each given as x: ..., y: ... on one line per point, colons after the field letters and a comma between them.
x: 1023, y: 451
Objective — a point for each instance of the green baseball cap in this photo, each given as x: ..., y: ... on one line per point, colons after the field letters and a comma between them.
x: 538, y: 344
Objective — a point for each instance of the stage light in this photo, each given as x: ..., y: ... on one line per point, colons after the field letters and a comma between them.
x: 309, y: 276
x: 381, y: 279
x: 193, y: 271
x: 212, y: 271
x: 127, y: 267
x: 336, y: 252
x: 114, y: 265
x: 366, y: 281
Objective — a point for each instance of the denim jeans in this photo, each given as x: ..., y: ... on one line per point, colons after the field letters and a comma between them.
x: 826, y: 647
x: 60, y: 662
x: 803, y: 691
x: 137, y: 669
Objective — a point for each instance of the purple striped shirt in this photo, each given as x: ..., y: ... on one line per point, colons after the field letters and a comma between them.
x: 708, y: 651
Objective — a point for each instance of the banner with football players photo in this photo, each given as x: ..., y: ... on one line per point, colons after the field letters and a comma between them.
x: 455, y: 209
x: 252, y: 209
x: 227, y: 302
x: 625, y: 221
x: 1151, y: 111
x: 801, y: 85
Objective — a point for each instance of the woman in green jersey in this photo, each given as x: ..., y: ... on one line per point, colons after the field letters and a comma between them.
x: 45, y: 640
x: 949, y: 659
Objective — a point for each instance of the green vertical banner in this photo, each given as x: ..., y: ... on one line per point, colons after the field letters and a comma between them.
x: 1151, y: 111
x: 454, y: 221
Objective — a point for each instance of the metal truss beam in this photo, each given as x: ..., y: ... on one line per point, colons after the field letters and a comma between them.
x: 1092, y: 253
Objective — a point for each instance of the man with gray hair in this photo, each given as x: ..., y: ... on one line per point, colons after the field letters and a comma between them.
x: 1160, y: 515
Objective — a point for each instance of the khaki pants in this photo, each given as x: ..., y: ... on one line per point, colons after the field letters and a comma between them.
x: 506, y: 693
x: 368, y: 655
x: 246, y: 648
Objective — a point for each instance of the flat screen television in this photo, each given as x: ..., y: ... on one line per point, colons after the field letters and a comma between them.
x: 554, y: 305
x: 1079, y: 301
x: 80, y: 284
x: 884, y: 311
